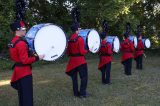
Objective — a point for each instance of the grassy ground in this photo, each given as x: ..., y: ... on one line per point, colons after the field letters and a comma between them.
x: 52, y: 87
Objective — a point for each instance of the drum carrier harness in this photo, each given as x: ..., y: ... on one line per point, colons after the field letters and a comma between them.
x: 73, y: 41
x: 13, y: 45
x: 104, y: 54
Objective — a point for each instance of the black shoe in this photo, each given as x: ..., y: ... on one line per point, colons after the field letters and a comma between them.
x: 85, y: 96
x: 77, y: 95
x: 128, y: 74
x: 138, y: 68
x: 103, y: 83
x: 109, y: 83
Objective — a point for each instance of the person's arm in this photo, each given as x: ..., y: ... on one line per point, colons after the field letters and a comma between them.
x: 132, y: 47
x: 140, y: 45
x: 101, y: 48
x: 109, y: 49
x: 81, y: 46
x: 67, y: 50
x: 121, y: 47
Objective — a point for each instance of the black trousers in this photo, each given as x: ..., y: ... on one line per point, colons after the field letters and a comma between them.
x: 83, y: 72
x: 106, y: 70
x: 24, y: 87
x: 127, y: 66
x: 139, y: 62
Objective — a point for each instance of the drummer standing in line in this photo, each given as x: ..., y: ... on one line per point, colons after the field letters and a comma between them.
x: 139, y: 50
x: 105, y: 55
x: 77, y: 62
x: 127, y: 49
x: 22, y: 72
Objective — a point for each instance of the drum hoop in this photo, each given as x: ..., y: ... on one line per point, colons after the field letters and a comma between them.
x: 144, y: 43
x: 87, y: 38
x: 112, y: 44
x: 65, y: 38
x: 133, y: 41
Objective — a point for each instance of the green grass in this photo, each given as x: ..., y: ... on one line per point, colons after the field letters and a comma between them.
x: 52, y: 87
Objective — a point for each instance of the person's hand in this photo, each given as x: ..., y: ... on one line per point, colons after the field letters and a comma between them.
x: 41, y: 56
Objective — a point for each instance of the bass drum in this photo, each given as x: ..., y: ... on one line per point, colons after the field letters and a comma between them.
x: 146, y: 43
x: 91, y: 39
x: 134, y: 40
x: 47, y: 39
x: 115, y: 43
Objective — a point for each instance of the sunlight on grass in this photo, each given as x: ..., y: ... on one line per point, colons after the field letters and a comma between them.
x: 4, y: 82
x: 43, y: 82
x: 140, y: 87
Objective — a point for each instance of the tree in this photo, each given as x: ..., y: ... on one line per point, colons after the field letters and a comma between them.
x: 6, y: 17
x: 93, y: 12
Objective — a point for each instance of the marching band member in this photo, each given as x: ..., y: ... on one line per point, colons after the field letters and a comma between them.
x: 139, y: 50
x: 105, y: 56
x: 22, y: 72
x: 127, y: 49
x: 77, y: 62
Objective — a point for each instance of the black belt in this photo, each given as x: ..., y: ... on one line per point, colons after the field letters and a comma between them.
x: 75, y: 55
x: 105, y: 55
x: 20, y: 65
x: 139, y: 49
x: 127, y: 51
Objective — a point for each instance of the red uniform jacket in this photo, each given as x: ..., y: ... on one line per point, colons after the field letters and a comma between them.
x: 139, y: 49
x: 20, y: 54
x: 127, y: 49
x: 105, y: 54
x: 76, y: 47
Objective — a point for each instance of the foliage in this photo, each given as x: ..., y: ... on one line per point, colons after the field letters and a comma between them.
x: 93, y: 12
x: 6, y: 17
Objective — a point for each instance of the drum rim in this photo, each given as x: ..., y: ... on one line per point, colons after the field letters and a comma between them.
x: 86, y: 38
x: 144, y: 42
x: 65, y: 39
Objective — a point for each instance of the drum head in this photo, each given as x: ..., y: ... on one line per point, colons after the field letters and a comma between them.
x: 93, y: 41
x: 135, y: 41
x: 51, y: 41
x: 116, y: 44
x: 147, y: 43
